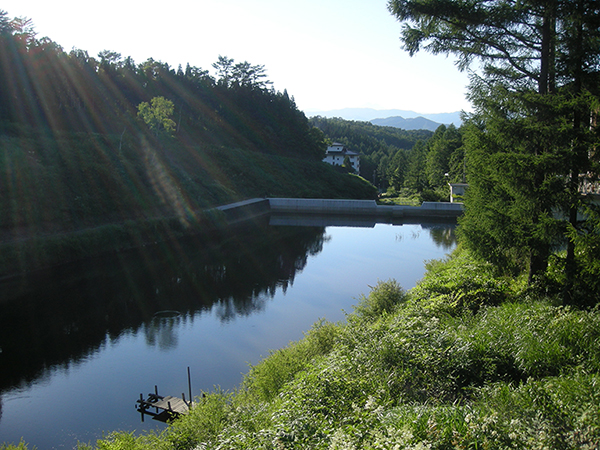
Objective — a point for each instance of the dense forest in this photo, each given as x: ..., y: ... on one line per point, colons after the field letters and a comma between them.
x: 88, y: 142
x: 47, y: 88
x: 411, y: 161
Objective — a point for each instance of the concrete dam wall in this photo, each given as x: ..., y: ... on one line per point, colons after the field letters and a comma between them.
x: 240, y: 211
x: 363, y: 207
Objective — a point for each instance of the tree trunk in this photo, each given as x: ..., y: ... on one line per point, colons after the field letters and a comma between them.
x: 578, y: 154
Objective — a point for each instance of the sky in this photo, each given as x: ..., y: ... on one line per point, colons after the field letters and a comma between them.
x: 328, y: 54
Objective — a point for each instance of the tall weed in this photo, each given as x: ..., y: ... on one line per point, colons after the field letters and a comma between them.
x: 461, y: 283
x: 534, y: 339
x: 266, y: 379
x: 382, y: 300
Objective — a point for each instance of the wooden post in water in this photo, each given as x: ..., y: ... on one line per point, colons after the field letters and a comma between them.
x: 189, y: 386
x: 156, y: 393
x: 142, y: 406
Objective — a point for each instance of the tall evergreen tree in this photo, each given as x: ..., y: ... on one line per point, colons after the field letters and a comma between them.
x: 443, y: 144
x: 527, y: 142
x: 415, y: 176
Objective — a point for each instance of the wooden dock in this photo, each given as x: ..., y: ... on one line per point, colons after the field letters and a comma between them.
x: 162, y: 408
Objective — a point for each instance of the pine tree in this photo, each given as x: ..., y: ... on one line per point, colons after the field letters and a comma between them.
x: 530, y: 136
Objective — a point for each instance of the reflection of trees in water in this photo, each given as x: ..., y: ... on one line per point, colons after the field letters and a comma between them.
x: 243, y: 284
x: 63, y: 314
x: 443, y: 236
x: 227, y: 309
x: 253, y: 281
x: 161, y: 330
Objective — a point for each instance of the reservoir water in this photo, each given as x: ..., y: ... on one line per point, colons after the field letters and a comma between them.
x: 79, y: 343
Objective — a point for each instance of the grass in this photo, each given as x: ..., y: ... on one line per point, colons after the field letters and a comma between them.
x: 411, y: 200
x: 408, y: 197
x: 403, y: 197
x: 76, y: 195
x: 462, y: 361
x: 401, y: 201
x: 28, y: 254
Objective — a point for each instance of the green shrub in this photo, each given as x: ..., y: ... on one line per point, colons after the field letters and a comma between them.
x: 549, y: 413
x: 383, y: 299
x: 461, y: 283
x: 266, y: 379
x: 553, y: 413
x: 437, y: 195
x: 534, y: 339
x: 20, y: 446
x: 203, y: 424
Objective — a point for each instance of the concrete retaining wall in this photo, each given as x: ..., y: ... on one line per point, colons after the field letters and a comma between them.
x: 322, y: 206
x: 240, y: 211
x: 427, y: 209
x: 247, y: 209
x: 363, y: 207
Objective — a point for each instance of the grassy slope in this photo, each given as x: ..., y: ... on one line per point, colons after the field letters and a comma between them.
x: 67, y: 196
x: 460, y: 361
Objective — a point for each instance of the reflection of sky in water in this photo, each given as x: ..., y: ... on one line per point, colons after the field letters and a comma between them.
x: 98, y: 393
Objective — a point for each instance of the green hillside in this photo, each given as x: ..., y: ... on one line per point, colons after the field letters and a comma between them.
x: 98, y: 154
x: 377, y: 145
x: 407, y: 165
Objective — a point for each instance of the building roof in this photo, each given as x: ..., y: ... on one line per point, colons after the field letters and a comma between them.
x: 338, y: 148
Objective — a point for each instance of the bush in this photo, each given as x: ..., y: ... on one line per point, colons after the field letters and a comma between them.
x: 204, y: 423
x: 462, y: 283
x: 266, y: 379
x: 382, y: 300
x: 438, y: 195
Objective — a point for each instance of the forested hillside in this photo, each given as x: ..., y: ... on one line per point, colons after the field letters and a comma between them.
x: 375, y: 144
x: 88, y: 142
x: 418, y: 162
x: 45, y: 87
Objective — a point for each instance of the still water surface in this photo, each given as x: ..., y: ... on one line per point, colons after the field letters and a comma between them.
x: 79, y: 344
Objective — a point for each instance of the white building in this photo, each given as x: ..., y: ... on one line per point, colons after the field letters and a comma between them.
x: 336, y: 154
x: 457, y: 191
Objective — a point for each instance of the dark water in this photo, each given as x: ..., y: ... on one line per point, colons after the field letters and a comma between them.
x: 78, y: 344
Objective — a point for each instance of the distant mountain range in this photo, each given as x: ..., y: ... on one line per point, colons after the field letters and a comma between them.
x: 407, y: 120
x: 416, y: 123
